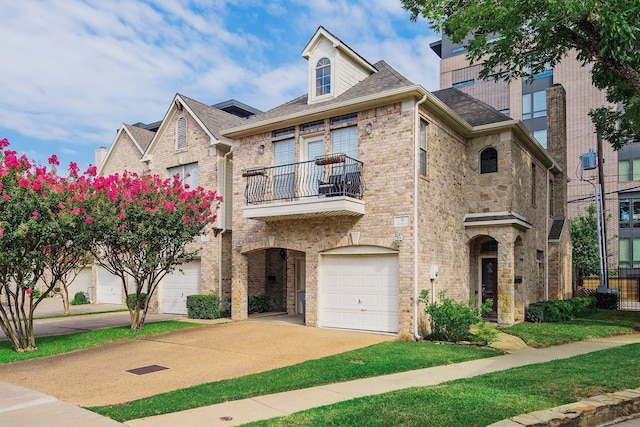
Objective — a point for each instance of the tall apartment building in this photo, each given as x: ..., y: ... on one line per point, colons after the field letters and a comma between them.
x: 527, y: 101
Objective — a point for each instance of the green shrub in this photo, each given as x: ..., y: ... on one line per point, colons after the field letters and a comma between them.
x: 80, y: 298
x: 258, y: 303
x: 560, y: 310
x: 131, y: 298
x: 203, y: 307
x: 607, y: 301
x: 452, y: 321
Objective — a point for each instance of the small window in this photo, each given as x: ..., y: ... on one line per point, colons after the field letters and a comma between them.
x: 313, y: 126
x: 340, y: 120
x: 489, y: 160
x: 181, y: 133
x: 323, y: 77
x: 464, y: 83
x: 534, y: 105
x: 541, y: 137
x: 423, y: 147
x: 284, y: 132
x: 533, y: 184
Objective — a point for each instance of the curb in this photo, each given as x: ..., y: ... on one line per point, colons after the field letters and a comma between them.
x: 603, y: 409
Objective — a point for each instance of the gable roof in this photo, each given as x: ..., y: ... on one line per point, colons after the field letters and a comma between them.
x: 470, y: 109
x: 322, y: 32
x: 141, y: 137
x: 212, y: 118
x: 386, y: 80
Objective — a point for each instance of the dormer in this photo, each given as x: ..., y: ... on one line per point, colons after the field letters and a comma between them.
x: 333, y: 66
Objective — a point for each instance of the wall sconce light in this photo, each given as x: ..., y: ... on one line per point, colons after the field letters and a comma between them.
x: 398, y: 239
x: 261, y: 149
x: 368, y: 128
x: 238, y: 246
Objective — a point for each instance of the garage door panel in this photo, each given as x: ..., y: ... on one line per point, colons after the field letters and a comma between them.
x: 178, y: 285
x: 109, y: 288
x: 360, y: 292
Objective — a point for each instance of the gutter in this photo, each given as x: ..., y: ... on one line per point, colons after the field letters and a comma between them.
x: 225, y: 159
x: 416, y: 179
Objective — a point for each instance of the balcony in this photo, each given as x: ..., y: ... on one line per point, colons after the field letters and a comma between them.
x: 330, y: 185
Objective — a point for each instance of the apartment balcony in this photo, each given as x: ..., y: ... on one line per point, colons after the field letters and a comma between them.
x: 330, y: 185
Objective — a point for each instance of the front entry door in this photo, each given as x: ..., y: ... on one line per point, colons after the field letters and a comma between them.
x: 490, y: 282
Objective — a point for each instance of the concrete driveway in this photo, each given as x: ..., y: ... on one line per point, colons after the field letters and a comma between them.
x: 210, y: 353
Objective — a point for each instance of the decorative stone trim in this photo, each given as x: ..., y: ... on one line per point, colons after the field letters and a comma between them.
x: 595, y: 411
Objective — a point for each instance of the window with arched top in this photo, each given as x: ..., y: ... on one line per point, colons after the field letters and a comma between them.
x: 489, y: 160
x: 323, y: 77
x: 181, y: 133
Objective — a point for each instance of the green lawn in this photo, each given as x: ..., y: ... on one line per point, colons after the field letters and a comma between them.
x: 379, y: 359
x: 485, y: 399
x: 602, y: 324
x: 49, y: 346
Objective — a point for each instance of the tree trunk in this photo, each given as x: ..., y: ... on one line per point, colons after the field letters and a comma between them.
x: 64, y: 292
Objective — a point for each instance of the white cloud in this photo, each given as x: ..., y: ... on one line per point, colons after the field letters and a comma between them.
x: 74, y: 70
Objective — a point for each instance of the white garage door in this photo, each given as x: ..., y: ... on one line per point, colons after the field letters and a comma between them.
x: 81, y: 283
x: 360, y: 292
x: 176, y: 287
x: 109, y: 288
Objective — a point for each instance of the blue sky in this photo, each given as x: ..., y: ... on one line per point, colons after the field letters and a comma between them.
x: 74, y: 70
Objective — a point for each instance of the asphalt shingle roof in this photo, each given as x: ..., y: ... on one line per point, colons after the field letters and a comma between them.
x: 384, y: 80
x: 142, y: 136
x: 214, y: 119
x: 472, y: 110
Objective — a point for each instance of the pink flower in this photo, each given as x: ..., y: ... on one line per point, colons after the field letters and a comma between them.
x: 89, y: 220
x: 1, y: 231
x: 53, y: 160
x: 34, y: 213
x: 37, y: 185
x: 6, y: 197
x: 169, y: 206
x: 28, y: 291
x: 24, y: 183
x: 77, y: 211
x: 122, y: 216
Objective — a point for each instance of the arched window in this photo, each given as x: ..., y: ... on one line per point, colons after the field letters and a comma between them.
x: 489, y: 160
x: 323, y: 77
x: 181, y: 133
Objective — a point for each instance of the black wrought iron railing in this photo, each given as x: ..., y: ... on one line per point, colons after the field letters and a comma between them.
x: 326, y: 176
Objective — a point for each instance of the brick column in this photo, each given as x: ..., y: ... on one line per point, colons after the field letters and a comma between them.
x: 506, y: 265
x: 239, y: 286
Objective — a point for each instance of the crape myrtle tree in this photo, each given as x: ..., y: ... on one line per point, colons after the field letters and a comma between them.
x: 584, y: 237
x: 144, y: 228
x: 518, y: 39
x: 37, y: 223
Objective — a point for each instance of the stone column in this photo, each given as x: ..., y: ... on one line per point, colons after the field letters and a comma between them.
x: 506, y: 265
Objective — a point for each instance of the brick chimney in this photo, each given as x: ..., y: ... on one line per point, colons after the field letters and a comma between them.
x: 557, y: 144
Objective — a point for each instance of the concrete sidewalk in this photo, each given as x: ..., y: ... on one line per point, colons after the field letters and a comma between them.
x: 282, y: 404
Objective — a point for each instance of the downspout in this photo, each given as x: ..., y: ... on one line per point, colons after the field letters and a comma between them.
x: 224, y: 220
x: 546, y: 252
x: 416, y: 179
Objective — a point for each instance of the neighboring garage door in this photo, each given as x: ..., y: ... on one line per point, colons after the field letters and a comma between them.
x: 109, y: 288
x: 360, y: 292
x: 81, y: 283
x: 176, y: 287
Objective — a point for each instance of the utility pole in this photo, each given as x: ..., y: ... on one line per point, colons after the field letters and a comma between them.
x: 589, y: 161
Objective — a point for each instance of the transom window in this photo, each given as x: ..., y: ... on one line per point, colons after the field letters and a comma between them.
x: 323, y: 77
x: 181, y: 133
x: 489, y: 160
